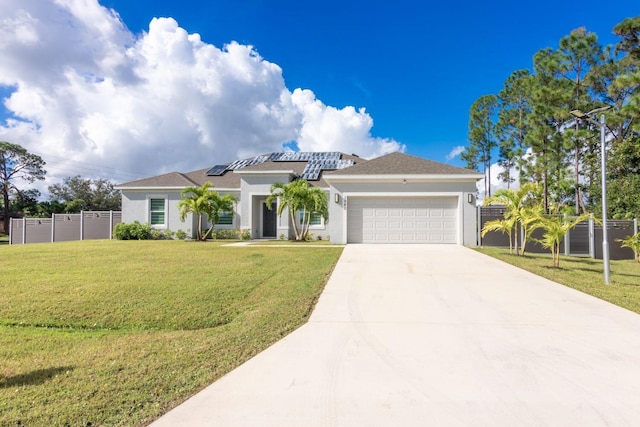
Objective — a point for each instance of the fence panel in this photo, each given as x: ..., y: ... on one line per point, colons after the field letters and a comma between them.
x: 97, y: 225
x: 493, y: 238
x: 579, y: 239
x: 617, y: 229
x: 16, y: 231
x: 38, y: 230
x: 535, y: 247
x: 67, y: 227
x: 64, y: 227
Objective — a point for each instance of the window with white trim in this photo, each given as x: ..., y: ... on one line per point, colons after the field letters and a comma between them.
x: 225, y: 218
x: 316, y: 219
x: 157, y: 213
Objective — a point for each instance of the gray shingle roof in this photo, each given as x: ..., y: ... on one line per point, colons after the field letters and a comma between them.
x: 229, y: 179
x: 171, y: 179
x: 401, y: 164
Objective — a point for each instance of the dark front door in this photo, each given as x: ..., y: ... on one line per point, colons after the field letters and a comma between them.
x: 269, y: 218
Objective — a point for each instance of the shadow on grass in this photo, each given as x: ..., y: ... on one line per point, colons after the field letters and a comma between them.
x: 32, y: 378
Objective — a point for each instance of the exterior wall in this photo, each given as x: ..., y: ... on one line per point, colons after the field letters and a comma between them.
x: 337, y: 211
x: 252, y: 187
x: 135, y: 207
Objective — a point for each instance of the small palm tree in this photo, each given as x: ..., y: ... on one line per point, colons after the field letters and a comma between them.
x: 520, y: 207
x: 633, y: 243
x: 315, y: 202
x: 556, y: 229
x: 220, y: 204
x: 507, y: 225
x: 203, y: 201
x: 296, y: 196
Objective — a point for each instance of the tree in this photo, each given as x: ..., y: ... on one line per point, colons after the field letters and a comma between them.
x: 482, y: 136
x: 549, y: 100
x: 633, y: 243
x: 521, y: 209
x: 579, y: 54
x: 555, y: 229
x: 512, y: 127
x: 16, y: 163
x: 79, y: 193
x: 203, y: 201
x: 297, y: 196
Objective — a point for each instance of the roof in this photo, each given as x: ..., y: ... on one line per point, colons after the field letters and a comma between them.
x: 393, y: 164
x: 229, y: 179
x: 401, y: 164
x: 171, y: 179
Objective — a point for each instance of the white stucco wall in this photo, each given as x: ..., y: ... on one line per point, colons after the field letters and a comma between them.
x: 337, y: 213
x: 135, y: 207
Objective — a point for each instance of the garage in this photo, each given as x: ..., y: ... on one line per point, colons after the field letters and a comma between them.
x: 402, y: 220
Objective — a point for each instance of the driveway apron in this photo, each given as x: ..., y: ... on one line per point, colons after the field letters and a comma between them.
x: 436, y: 335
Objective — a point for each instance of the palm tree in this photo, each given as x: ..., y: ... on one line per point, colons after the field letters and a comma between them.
x: 555, y: 230
x: 519, y: 212
x: 633, y: 243
x: 220, y: 204
x: 506, y: 225
x: 204, y: 201
x: 296, y: 196
x: 315, y: 202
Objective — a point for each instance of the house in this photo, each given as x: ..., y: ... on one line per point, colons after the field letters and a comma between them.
x: 395, y: 198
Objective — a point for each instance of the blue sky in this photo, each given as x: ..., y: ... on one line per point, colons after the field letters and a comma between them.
x: 415, y: 67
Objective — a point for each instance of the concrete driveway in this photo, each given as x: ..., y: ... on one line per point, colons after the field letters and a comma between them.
x: 436, y: 335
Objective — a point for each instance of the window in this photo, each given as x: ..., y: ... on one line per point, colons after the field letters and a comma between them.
x: 225, y: 218
x: 157, y: 212
x: 316, y: 218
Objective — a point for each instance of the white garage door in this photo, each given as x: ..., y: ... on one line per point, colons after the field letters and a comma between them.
x: 402, y: 220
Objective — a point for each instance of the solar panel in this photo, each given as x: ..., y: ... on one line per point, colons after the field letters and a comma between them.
x: 316, y: 162
x: 217, y: 170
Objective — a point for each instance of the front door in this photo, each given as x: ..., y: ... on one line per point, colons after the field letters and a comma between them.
x: 269, y: 218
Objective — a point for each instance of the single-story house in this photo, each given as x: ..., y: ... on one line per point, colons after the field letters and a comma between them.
x: 395, y: 198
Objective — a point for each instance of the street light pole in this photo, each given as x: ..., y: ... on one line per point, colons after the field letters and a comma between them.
x: 605, y: 237
x: 603, y: 153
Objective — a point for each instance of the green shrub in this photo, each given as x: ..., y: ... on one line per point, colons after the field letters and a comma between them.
x: 226, y: 234
x: 161, y: 234
x: 245, y: 234
x: 181, y: 235
x: 133, y: 231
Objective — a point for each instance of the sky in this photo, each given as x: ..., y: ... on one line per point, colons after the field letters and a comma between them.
x: 122, y: 89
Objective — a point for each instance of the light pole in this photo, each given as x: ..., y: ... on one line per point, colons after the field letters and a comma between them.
x: 602, y: 125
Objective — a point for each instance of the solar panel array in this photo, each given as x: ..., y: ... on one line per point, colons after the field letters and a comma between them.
x: 316, y: 162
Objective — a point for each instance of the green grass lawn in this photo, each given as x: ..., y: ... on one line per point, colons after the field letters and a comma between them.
x: 583, y: 274
x: 119, y: 332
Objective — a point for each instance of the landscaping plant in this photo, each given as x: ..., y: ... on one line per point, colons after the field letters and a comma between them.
x: 203, y: 201
x: 633, y: 243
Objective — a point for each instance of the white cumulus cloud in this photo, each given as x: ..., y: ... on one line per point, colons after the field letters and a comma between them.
x: 85, y: 91
x: 455, y: 152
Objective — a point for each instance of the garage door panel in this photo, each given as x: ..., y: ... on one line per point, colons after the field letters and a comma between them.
x: 402, y: 220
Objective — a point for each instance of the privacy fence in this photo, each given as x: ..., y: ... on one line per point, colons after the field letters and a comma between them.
x: 585, y: 239
x: 86, y: 225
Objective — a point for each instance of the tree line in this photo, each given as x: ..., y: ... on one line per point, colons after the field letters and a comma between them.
x: 527, y: 128
x: 19, y: 167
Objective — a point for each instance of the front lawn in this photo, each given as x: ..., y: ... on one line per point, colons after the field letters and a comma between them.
x: 583, y: 274
x: 119, y: 332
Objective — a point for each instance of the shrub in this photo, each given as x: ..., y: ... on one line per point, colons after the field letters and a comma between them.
x: 161, y: 234
x: 226, y: 234
x: 181, y: 235
x: 133, y: 231
x: 245, y: 234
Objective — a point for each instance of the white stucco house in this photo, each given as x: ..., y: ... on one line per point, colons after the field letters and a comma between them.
x: 395, y: 198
